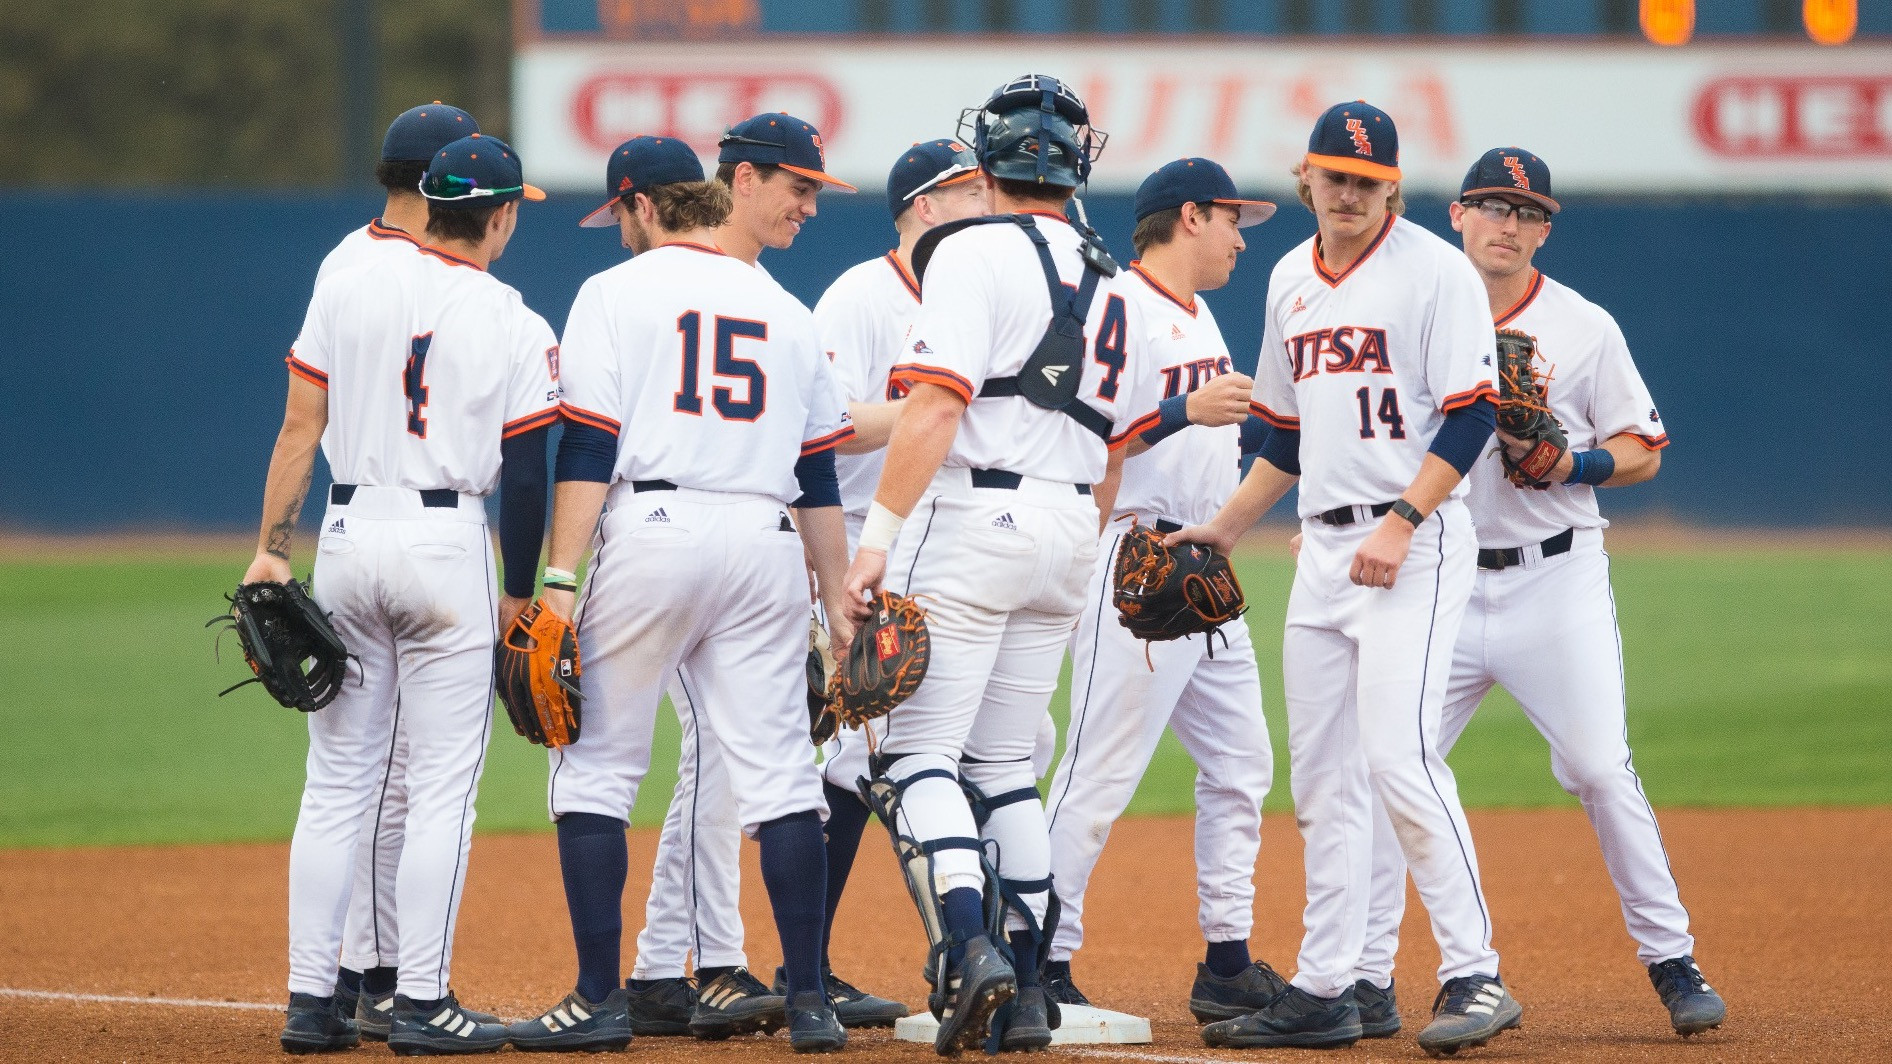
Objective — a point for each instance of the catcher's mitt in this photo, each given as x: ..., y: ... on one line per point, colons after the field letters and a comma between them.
x: 821, y: 720
x: 289, y: 643
x: 1168, y: 592
x: 886, y: 660
x: 538, y: 675
x: 1524, y: 412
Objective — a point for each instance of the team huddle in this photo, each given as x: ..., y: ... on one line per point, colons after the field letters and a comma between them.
x: 977, y: 419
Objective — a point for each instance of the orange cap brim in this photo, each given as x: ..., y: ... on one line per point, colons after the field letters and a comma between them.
x: 1349, y: 165
x: 534, y: 193
x: 599, y: 218
x: 1249, y: 211
x: 816, y: 175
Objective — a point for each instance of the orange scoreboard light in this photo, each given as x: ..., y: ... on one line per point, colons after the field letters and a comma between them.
x: 1830, y: 21
x: 1670, y: 23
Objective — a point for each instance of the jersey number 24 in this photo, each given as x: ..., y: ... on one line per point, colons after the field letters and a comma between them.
x: 690, y: 392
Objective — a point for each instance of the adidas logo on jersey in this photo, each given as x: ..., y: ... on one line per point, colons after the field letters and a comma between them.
x: 337, y: 527
x: 1175, y: 331
x: 1298, y: 306
x: 1005, y: 522
x: 657, y: 516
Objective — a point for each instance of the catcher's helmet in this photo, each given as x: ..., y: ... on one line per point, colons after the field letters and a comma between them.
x: 1034, y: 128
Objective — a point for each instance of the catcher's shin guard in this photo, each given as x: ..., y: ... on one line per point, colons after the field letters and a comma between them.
x: 1009, y: 898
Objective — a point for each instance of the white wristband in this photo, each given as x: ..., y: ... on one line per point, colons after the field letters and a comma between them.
x: 881, y: 528
x: 559, y: 576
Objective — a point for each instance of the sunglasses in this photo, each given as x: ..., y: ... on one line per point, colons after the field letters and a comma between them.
x: 1500, y: 210
x: 454, y: 187
x: 965, y: 162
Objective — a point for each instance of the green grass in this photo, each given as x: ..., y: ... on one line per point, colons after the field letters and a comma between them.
x: 1755, y: 679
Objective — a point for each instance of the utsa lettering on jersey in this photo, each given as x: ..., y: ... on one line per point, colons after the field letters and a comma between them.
x: 1542, y: 620
x: 405, y: 568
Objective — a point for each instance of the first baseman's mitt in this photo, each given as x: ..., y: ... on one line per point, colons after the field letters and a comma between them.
x: 1524, y: 412
x: 1169, y: 592
x: 538, y: 674
x: 821, y: 720
x: 886, y: 660
x: 289, y: 643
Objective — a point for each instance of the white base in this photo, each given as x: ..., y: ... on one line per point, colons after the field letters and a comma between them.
x: 1083, y: 1025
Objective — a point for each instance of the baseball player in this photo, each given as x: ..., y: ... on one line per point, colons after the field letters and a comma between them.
x: 370, y: 942
x: 990, y: 469
x: 1542, y: 621
x: 1375, y: 376
x: 405, y: 567
x: 700, y: 410
x: 1188, y: 233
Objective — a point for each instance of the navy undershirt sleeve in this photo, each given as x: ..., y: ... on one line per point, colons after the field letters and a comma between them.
x: 1465, y: 432
x: 1282, y: 449
x: 1254, y: 433
x: 586, y: 452
x: 522, y: 483
x: 820, y: 486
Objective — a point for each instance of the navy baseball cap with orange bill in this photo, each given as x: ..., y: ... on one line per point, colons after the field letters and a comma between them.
x: 639, y: 165
x: 475, y: 171
x: 779, y: 140
x: 1512, y: 172
x: 926, y: 166
x: 1356, y: 138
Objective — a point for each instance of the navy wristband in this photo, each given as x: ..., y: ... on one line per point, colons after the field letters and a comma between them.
x: 1173, y: 417
x: 1591, y: 467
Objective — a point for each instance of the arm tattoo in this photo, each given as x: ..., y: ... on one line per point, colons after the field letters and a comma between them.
x: 277, y: 542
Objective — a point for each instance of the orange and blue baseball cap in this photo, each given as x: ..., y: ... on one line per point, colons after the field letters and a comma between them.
x: 417, y: 133
x: 639, y: 165
x: 1509, y: 171
x: 779, y: 140
x: 926, y: 166
x: 475, y: 171
x: 1196, y: 181
x: 1356, y: 138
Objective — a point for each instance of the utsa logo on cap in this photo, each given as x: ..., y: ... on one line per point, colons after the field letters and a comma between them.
x: 1517, y: 172
x: 1509, y: 171
x: 1356, y: 138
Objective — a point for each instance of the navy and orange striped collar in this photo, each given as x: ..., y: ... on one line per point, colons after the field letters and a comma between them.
x: 1136, y: 267
x: 1530, y: 293
x: 906, y: 275
x: 693, y: 246
x: 449, y: 257
x: 1333, y: 279
x: 380, y: 230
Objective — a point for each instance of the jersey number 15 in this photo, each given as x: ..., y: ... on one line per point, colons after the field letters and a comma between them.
x: 690, y: 392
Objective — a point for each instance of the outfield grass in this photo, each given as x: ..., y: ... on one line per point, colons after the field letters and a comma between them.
x: 1756, y: 678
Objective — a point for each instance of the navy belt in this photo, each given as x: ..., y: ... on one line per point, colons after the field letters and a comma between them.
x: 438, y: 498
x: 652, y: 485
x: 1343, y: 515
x: 1506, y: 557
x: 1166, y: 526
x: 1006, y: 480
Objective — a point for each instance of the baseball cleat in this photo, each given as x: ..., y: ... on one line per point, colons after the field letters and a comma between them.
x: 1379, y: 1010
x: 1469, y: 1011
x: 1294, y: 1018
x: 1059, y: 987
x: 576, y: 1025
x: 975, y: 988
x: 316, y: 1025
x: 853, y: 1006
x: 812, y: 1024
x: 440, y: 1028
x: 660, y: 1006
x: 1214, y: 998
x: 375, y: 1014
x: 734, y: 1003
x: 1693, y: 1005
x: 1026, y: 1022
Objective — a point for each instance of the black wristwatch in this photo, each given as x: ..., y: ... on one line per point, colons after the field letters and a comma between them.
x: 1409, y: 512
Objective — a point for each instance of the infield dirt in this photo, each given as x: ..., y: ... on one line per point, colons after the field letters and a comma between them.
x: 1788, y: 905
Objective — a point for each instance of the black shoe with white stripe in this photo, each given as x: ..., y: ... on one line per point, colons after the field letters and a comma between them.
x: 575, y: 1025
x: 1469, y: 1011
x: 976, y: 987
x: 435, y: 1028
x: 375, y: 1015
x: 316, y: 1025
x: 734, y: 1003
x: 853, y: 1006
x: 1693, y: 1005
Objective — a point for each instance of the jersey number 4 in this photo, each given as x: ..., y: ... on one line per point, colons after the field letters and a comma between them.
x: 690, y: 391
x: 411, y: 385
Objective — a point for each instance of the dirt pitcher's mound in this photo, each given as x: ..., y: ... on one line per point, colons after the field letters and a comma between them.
x: 1789, y: 907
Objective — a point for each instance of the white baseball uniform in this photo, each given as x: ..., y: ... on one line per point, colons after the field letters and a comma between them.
x: 1366, y: 364
x: 405, y: 567
x: 1001, y: 543
x: 714, y: 380
x: 1120, y: 702
x: 1544, y: 626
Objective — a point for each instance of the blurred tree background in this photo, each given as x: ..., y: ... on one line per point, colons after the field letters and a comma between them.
x: 234, y: 93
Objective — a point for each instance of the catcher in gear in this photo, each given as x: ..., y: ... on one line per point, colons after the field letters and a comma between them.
x: 1533, y: 438
x: 288, y: 641
x: 537, y: 671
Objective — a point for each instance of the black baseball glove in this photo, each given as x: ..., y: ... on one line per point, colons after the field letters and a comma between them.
x: 1166, y: 593
x: 289, y: 644
x: 885, y: 662
x: 1524, y: 412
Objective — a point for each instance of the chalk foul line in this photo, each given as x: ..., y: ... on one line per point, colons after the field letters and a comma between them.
x: 122, y: 999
